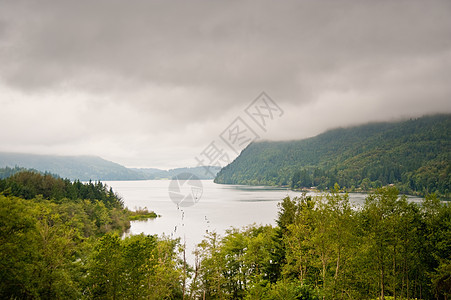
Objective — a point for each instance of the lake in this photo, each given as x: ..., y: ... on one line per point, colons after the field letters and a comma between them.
x: 219, y: 207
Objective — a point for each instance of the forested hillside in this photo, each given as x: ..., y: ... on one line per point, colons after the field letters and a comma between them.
x: 57, y: 239
x: 413, y: 155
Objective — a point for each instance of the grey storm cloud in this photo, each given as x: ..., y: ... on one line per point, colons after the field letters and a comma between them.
x: 187, y: 64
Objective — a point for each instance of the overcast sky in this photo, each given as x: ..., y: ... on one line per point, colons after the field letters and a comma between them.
x: 153, y: 83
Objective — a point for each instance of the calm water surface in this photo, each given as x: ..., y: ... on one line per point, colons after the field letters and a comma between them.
x: 219, y: 208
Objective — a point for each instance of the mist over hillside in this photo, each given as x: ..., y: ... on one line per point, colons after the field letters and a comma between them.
x: 93, y: 167
x: 413, y: 155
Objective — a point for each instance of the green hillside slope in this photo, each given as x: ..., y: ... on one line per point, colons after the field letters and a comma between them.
x: 413, y: 155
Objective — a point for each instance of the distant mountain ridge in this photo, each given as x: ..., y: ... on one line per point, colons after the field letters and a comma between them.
x: 413, y: 155
x: 72, y: 167
x: 92, y: 167
x: 200, y: 172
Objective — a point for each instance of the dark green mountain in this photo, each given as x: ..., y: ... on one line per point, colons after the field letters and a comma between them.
x: 413, y: 155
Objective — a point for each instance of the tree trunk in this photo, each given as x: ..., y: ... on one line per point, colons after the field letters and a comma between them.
x: 338, y: 264
x: 394, y: 271
x: 382, y: 284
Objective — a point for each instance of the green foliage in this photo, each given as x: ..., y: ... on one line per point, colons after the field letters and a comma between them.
x: 413, y: 155
x: 44, y: 235
x: 387, y: 249
x: 54, y: 247
x: 142, y: 214
x: 30, y: 184
x: 37, y: 250
x: 8, y: 172
x: 134, y: 268
x: 441, y: 279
